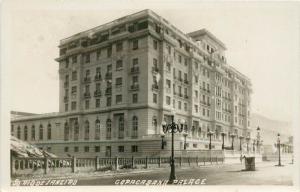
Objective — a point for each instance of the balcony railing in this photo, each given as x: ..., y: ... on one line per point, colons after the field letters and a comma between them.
x: 186, y: 81
x: 108, y: 76
x: 97, y: 93
x: 87, y: 80
x: 98, y: 78
x: 134, y: 70
x: 134, y: 87
x: 108, y: 91
x: 87, y: 95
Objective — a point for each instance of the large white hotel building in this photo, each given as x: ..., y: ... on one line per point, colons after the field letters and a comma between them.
x: 120, y: 80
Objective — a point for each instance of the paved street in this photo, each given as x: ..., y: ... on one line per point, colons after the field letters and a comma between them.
x: 266, y: 174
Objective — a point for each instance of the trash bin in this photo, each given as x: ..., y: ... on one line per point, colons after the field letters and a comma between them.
x: 249, y: 163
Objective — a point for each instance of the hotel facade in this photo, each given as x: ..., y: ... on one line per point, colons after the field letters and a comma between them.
x: 119, y: 81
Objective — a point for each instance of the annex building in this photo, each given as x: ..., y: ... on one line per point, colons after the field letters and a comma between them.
x: 120, y: 80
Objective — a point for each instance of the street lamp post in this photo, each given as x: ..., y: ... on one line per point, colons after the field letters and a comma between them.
x: 258, y: 139
x: 162, y: 141
x: 223, y: 135
x: 278, y: 146
x: 232, y: 137
x: 248, y: 139
x: 184, y: 135
x: 241, y: 137
x: 254, y: 146
x: 210, y: 133
x: 172, y: 128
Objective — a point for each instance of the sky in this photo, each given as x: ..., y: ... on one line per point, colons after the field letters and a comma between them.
x: 262, y: 41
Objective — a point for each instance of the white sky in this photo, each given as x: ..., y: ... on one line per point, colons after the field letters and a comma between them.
x: 262, y: 41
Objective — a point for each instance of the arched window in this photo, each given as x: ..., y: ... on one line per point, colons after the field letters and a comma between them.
x: 66, y: 131
x: 41, y: 133
x: 19, y: 132
x: 108, y: 129
x: 134, y: 127
x: 86, y: 130
x: 121, y: 127
x: 97, y: 129
x: 49, y: 134
x: 25, y: 133
x: 76, y: 130
x: 32, y: 132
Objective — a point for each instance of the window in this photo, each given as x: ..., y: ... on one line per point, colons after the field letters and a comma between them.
x: 135, y: 44
x: 169, y: 49
x: 98, y: 54
x: 196, y: 108
x: 32, y: 132
x: 121, y: 127
x: 134, y: 127
x: 49, y: 135
x: 119, y: 81
x: 134, y: 148
x: 168, y: 100
x: 86, y: 130
x: 179, y: 58
x: 25, y: 133
x: 118, y: 99
x: 134, y: 98
x: 108, y: 129
x: 76, y: 131
x: 168, y: 82
x: 97, y: 103
x: 155, y: 62
x: 119, y: 64
x: 76, y: 149
x: 97, y: 129
x: 41, y: 132
x: 168, y: 67
x: 74, y: 90
x: 87, y: 57
x: 66, y: 106
x: 97, y: 148
x: 119, y: 46
x: 66, y: 149
x: 179, y: 104
x: 74, y: 75
x: 203, y: 111
x: 135, y: 62
x: 185, y: 107
x: 155, y: 44
x: 121, y: 149
x: 135, y: 80
x: 109, y: 50
x: 74, y: 59
x: 108, y: 101
x: 86, y: 149
x: 73, y: 105
x: 154, y: 98
x: 12, y: 130
x: 66, y: 131
x: 87, y: 104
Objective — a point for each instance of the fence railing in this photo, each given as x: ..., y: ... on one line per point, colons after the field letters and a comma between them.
x: 21, y: 166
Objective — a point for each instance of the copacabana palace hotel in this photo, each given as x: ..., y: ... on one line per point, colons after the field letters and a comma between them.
x: 119, y: 81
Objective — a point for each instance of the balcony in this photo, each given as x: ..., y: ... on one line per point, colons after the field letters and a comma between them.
x: 186, y: 81
x: 97, y: 93
x: 108, y: 76
x: 186, y: 97
x: 134, y: 70
x: 87, y: 80
x: 134, y: 87
x: 66, y: 84
x: 108, y: 91
x: 98, y: 78
x: 87, y: 95
x: 155, y: 69
x: 155, y: 87
x: 66, y: 98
